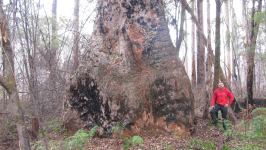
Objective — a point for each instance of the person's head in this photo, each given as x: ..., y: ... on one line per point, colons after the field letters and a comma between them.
x: 220, y: 84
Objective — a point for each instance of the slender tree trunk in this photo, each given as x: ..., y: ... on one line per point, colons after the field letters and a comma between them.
x: 200, y: 47
x: 193, y: 74
x: 209, y: 63
x: 251, y: 48
x: 228, y: 37
x: 180, y: 36
x: 75, y: 47
x: 53, y: 53
x: 10, y: 80
x: 217, y: 44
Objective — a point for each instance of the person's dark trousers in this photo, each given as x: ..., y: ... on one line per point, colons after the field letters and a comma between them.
x: 214, y: 114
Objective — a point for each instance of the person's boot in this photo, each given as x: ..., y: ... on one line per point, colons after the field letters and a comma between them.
x: 224, y: 125
x: 215, y: 122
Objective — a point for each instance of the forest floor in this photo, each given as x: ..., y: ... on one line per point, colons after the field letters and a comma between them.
x: 247, y: 135
x: 158, y: 140
x: 206, y: 137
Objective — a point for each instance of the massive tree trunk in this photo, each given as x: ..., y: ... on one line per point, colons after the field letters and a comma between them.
x: 132, y: 75
x: 251, y: 48
x: 9, y: 82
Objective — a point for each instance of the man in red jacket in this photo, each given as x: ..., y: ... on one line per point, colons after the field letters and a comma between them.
x: 221, y: 99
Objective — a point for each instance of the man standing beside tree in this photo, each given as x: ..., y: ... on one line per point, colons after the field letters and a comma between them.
x: 221, y: 99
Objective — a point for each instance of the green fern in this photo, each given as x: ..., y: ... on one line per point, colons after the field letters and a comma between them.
x: 77, y: 141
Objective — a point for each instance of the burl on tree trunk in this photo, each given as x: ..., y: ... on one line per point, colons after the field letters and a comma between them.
x: 132, y: 75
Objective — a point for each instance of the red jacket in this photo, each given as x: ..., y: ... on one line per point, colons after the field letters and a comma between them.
x: 221, y: 95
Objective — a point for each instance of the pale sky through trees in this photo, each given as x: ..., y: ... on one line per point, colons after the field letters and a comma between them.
x: 66, y: 7
x: 65, y: 10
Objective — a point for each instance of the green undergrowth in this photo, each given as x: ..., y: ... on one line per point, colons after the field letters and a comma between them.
x: 75, y: 142
x: 196, y: 143
x: 55, y: 126
x: 132, y: 141
x: 259, y: 112
x: 251, y: 134
x: 78, y: 140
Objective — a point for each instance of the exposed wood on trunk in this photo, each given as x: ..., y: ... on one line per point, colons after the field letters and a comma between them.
x: 135, y: 69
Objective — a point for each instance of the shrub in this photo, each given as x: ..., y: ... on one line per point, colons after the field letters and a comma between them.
x: 55, y: 126
x: 133, y: 141
x: 259, y: 111
x: 117, y: 129
x: 259, y: 126
x: 75, y: 142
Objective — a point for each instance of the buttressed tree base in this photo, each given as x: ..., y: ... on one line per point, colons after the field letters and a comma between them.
x: 132, y: 75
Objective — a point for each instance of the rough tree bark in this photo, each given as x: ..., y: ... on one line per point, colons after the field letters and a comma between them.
x: 9, y: 82
x: 251, y: 48
x: 132, y: 75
